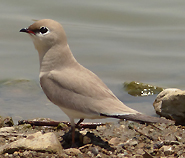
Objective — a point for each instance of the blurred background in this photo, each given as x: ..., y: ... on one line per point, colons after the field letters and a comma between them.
x: 120, y: 40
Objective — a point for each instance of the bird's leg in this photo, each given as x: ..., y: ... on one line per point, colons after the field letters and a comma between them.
x: 73, y: 137
x: 73, y: 132
x: 73, y: 126
x: 78, y: 123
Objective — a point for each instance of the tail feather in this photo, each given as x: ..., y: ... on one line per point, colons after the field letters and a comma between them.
x: 141, y: 118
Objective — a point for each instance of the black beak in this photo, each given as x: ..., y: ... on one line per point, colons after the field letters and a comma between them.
x: 24, y: 30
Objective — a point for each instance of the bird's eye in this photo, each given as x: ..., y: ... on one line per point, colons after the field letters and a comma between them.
x: 43, y: 30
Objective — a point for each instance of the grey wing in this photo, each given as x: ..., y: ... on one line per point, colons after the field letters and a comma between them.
x: 81, y: 90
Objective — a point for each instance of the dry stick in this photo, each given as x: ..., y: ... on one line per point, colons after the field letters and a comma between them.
x: 56, y: 123
x: 41, y: 123
x: 149, y: 137
x: 155, y: 127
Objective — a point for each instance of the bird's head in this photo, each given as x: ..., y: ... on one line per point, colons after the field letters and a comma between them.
x: 45, y: 34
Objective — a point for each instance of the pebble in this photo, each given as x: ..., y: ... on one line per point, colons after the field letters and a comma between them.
x: 138, y: 156
x: 72, y: 151
x: 90, y: 154
x: 15, y: 153
x: 167, y: 150
x: 121, y: 155
x: 6, y: 154
x: 86, y: 140
x: 12, y: 139
x: 98, y: 156
x: 131, y: 142
x: 95, y: 151
x: 26, y: 153
x: 114, y: 141
x: 84, y: 132
x: 100, y: 128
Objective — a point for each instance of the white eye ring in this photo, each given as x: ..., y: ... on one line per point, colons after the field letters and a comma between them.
x: 44, y: 30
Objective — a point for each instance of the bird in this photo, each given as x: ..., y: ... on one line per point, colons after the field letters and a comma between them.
x: 77, y: 91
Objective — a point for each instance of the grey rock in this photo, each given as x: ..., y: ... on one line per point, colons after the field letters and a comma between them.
x: 47, y: 142
x: 170, y: 103
x: 6, y: 129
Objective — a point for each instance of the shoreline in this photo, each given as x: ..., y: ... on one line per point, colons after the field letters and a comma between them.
x: 122, y: 139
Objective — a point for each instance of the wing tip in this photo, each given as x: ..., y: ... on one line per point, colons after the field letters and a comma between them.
x: 141, y: 118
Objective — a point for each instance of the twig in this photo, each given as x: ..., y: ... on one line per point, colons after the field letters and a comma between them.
x: 56, y: 123
x: 149, y: 137
x: 41, y: 123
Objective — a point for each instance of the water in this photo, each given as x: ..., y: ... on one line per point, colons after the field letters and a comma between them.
x: 119, y: 40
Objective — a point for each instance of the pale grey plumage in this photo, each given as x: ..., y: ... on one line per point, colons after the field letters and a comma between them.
x: 75, y: 89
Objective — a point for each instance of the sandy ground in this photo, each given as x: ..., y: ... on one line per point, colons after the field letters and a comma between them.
x: 122, y: 139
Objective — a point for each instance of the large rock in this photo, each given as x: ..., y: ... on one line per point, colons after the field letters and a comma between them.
x: 170, y: 103
x: 47, y: 142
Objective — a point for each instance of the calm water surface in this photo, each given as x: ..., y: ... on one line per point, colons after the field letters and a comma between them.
x: 119, y: 40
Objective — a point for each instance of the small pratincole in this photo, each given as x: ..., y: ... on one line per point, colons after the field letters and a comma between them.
x: 76, y: 90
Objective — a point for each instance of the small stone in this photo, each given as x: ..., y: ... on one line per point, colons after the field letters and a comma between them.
x: 26, y: 153
x: 100, y: 128
x: 122, y: 126
x: 167, y: 150
x: 178, y: 138
x: 98, y: 156
x: 34, y: 153
x: 114, y: 141
x: 95, y: 151
x: 2, y: 140
x: 6, y: 154
x: 12, y: 139
x: 90, y: 154
x: 131, y: 142
x: 86, y: 140
x: 110, y: 152
x: 15, y: 153
x: 150, y: 130
x: 140, y: 151
x: 84, y: 132
x: 141, y: 145
x: 120, y: 155
x: 10, y: 155
x: 6, y: 141
x: 62, y: 126
x: 138, y: 156
x: 23, y: 127
x: 73, y: 152
x: 180, y: 153
x: 20, y: 154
